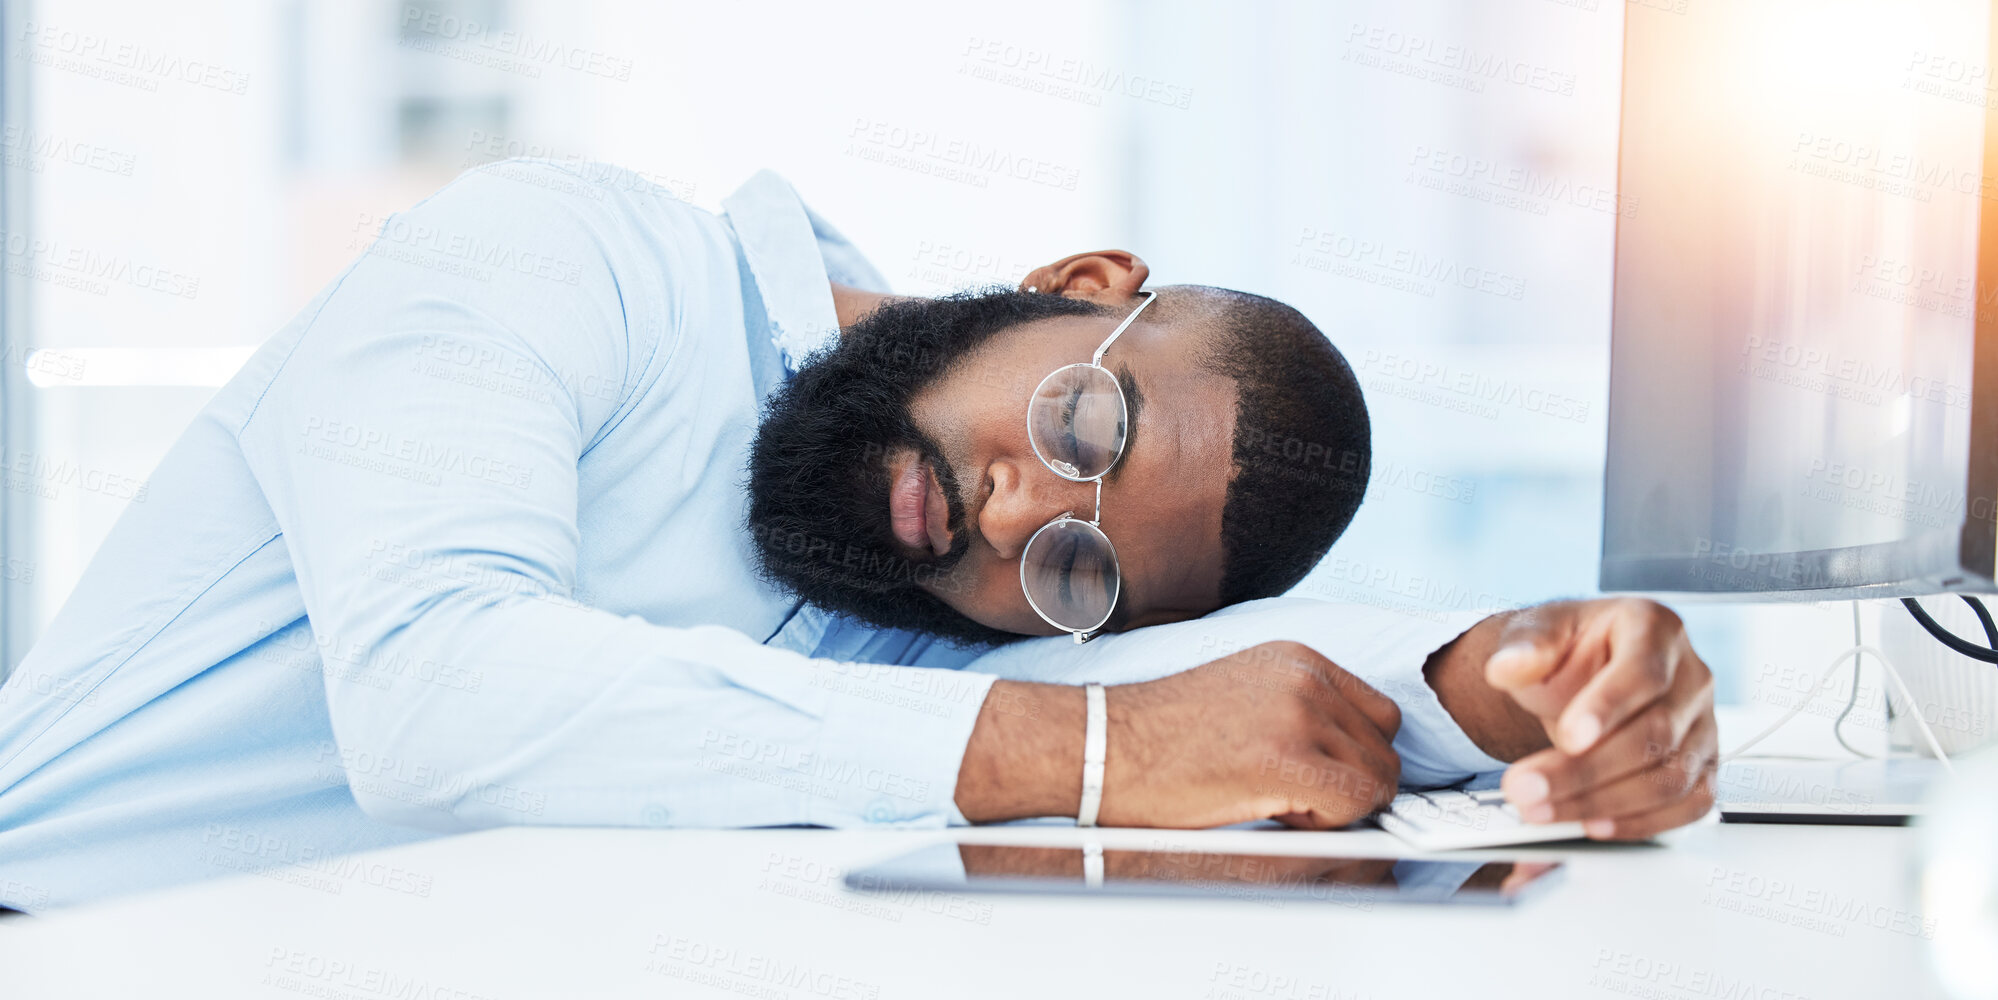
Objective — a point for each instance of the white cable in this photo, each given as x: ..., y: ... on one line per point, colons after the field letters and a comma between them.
x: 1824, y: 681
x: 1838, y: 724
x: 1915, y: 710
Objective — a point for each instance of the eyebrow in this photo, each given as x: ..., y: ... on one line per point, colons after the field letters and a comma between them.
x: 1134, y: 402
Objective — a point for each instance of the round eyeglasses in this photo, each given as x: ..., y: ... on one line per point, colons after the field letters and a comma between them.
x: 1077, y: 421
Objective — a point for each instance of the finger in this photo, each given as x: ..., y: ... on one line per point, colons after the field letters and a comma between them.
x: 1646, y: 642
x: 1369, y: 755
x: 1528, y: 784
x: 1307, y: 821
x: 1694, y: 806
x: 1342, y: 715
x: 1672, y: 778
x: 1531, y: 647
x: 1323, y: 794
x: 1369, y: 771
x: 1344, y: 688
x: 1641, y: 742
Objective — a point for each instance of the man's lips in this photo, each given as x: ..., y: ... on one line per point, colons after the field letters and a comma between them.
x: 918, y: 515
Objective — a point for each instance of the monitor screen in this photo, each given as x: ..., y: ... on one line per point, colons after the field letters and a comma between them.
x: 1796, y: 297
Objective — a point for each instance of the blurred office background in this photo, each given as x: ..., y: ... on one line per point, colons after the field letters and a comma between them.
x: 1433, y: 182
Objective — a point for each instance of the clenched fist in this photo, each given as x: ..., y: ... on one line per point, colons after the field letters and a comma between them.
x: 1275, y: 731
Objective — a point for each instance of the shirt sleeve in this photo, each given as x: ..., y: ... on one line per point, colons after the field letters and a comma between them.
x: 432, y: 521
x: 1387, y: 648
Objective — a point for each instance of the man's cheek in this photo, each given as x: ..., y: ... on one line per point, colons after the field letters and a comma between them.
x: 987, y: 591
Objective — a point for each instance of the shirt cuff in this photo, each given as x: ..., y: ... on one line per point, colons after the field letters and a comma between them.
x: 1435, y: 751
x: 902, y: 732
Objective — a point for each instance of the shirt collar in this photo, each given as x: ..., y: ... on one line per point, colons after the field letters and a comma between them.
x: 793, y: 255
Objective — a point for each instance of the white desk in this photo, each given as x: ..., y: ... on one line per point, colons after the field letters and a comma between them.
x: 1768, y: 913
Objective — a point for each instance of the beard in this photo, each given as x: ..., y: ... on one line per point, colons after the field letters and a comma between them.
x: 818, y: 471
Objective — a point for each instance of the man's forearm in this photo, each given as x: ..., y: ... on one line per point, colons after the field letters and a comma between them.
x: 1025, y: 754
x: 1024, y: 758
x: 1490, y: 717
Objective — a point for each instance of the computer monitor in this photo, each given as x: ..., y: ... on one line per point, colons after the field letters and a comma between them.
x: 1804, y: 345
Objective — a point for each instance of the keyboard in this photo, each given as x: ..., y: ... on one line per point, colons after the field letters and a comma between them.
x: 1452, y: 819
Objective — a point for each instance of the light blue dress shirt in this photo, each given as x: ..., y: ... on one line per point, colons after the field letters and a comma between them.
x: 462, y: 546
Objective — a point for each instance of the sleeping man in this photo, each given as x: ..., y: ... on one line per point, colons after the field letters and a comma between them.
x: 570, y: 503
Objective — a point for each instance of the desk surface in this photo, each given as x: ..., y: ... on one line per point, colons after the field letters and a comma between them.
x: 1769, y: 913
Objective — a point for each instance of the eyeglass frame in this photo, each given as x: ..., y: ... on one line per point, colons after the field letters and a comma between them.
x: 1095, y: 361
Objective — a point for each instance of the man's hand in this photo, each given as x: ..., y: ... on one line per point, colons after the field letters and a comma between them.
x: 1272, y: 732
x: 1275, y: 731
x: 1628, y: 707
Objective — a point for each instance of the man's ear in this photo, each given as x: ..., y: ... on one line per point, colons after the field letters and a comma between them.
x: 1102, y: 275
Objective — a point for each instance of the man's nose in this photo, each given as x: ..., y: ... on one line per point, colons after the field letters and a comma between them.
x: 1025, y: 497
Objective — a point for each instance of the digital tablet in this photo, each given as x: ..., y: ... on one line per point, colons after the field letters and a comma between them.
x: 1267, y: 878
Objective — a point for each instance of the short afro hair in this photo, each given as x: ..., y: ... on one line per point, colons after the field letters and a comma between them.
x: 1302, y: 448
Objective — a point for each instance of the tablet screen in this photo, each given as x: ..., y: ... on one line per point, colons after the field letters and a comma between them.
x: 1273, y: 878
